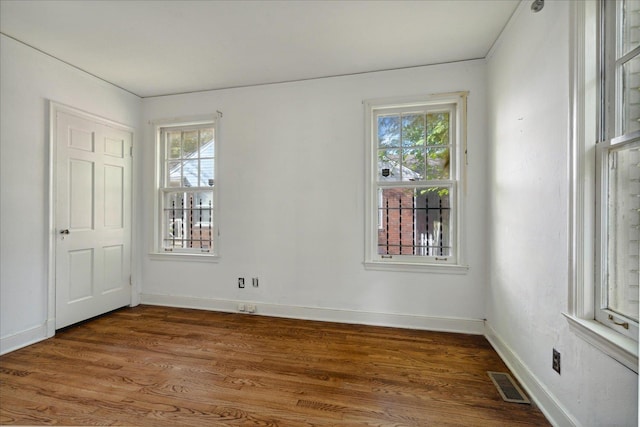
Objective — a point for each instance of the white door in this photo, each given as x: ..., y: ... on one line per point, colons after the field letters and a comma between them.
x: 92, y: 217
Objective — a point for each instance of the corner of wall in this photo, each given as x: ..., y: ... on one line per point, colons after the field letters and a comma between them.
x: 539, y: 393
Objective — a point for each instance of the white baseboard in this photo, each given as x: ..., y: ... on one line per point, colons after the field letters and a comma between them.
x: 443, y: 324
x: 24, y: 338
x: 537, y: 391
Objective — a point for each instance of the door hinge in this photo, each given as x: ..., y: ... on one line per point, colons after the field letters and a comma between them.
x: 130, y: 281
x: 131, y: 150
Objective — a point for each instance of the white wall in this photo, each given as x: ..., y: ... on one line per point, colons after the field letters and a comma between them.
x: 28, y: 80
x: 528, y: 92
x: 292, y: 204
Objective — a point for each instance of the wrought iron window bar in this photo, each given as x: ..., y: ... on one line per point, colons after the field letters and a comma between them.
x: 440, y: 250
x: 182, y: 228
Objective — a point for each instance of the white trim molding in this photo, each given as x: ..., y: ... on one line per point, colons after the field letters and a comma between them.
x: 441, y: 324
x: 25, y: 338
x: 416, y: 268
x: 615, y: 345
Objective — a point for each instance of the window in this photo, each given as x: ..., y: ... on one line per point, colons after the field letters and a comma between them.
x: 187, y: 189
x: 618, y: 170
x: 620, y: 209
x: 605, y: 176
x: 414, y: 163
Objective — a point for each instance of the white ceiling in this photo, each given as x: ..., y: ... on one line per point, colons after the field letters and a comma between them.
x: 153, y: 48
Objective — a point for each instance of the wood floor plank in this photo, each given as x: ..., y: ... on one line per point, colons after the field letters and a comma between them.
x: 157, y: 366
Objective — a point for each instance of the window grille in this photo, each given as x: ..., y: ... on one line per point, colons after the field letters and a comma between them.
x: 415, y: 221
x: 189, y: 219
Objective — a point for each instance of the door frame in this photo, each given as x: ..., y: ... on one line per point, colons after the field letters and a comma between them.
x: 54, y: 108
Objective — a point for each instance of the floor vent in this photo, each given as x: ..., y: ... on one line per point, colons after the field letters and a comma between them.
x: 508, y: 388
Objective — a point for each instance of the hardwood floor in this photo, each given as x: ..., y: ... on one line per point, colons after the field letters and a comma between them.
x: 157, y: 366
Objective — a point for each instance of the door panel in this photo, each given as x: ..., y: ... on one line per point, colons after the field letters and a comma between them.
x: 81, y: 138
x: 80, y: 274
x: 81, y: 195
x: 114, y: 267
x: 93, y: 218
x: 114, y: 191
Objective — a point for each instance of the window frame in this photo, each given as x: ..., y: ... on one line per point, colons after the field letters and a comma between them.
x: 190, y: 123
x: 456, y: 103
x: 585, y: 235
x: 602, y: 313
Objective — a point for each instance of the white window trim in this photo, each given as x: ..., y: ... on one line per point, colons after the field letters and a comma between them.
x: 582, y: 168
x: 155, y: 253
x: 416, y: 264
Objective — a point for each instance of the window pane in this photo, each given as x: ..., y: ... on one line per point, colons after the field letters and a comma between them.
x: 623, y: 235
x: 630, y: 15
x: 207, y: 144
x: 414, y: 164
x: 415, y: 221
x: 388, y: 131
x: 189, y: 144
x: 389, y: 165
x: 190, y: 173
x: 413, y: 130
x: 174, y: 221
x: 174, y: 144
x: 438, y: 128
x: 631, y: 95
x: 206, y: 172
x: 203, y: 211
x: 438, y: 163
x: 174, y: 173
x: 206, y: 135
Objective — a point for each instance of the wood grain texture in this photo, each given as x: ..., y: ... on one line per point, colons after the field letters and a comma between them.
x: 157, y: 366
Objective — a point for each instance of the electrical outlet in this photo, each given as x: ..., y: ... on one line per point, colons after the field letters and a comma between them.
x: 241, y: 307
x: 251, y: 308
x: 254, y: 281
x: 555, y: 364
x: 241, y: 282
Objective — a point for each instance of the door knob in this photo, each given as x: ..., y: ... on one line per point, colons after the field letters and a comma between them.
x: 64, y: 231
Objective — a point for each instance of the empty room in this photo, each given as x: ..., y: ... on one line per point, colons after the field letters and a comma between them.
x: 319, y: 213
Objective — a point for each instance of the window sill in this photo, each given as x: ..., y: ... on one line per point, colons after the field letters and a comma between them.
x: 415, y: 267
x: 614, y: 345
x: 177, y: 256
